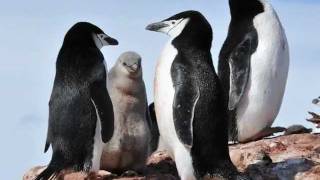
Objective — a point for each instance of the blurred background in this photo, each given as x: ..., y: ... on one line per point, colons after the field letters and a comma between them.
x: 31, y: 35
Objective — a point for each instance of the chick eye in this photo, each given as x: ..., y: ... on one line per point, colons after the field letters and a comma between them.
x: 124, y: 63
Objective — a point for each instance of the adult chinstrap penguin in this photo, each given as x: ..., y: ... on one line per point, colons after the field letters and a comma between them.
x: 129, y: 147
x: 189, y: 102
x: 80, y: 109
x: 253, y: 68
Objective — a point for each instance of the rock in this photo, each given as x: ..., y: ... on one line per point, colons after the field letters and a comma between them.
x: 293, y: 157
x: 285, y: 170
x: 33, y: 172
x: 315, y: 119
x: 297, y: 129
x: 312, y: 174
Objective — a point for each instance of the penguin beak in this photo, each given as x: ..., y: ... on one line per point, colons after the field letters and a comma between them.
x: 111, y: 41
x: 134, y: 67
x: 156, y: 26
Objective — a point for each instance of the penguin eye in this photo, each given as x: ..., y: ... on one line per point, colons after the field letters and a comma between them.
x: 173, y: 22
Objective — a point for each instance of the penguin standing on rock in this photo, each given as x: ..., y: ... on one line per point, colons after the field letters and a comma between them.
x: 129, y: 146
x: 80, y: 109
x: 189, y: 103
x: 253, y: 68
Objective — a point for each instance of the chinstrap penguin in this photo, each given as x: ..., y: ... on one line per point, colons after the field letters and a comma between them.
x: 80, y: 109
x: 253, y: 68
x: 129, y: 147
x: 189, y: 103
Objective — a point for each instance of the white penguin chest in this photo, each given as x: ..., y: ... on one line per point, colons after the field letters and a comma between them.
x: 262, y: 98
x: 164, y: 96
x: 163, y: 81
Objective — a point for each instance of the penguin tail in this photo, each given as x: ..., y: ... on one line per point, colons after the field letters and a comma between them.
x: 56, y: 165
x: 49, y: 173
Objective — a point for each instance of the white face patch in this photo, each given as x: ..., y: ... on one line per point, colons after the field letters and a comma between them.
x: 99, y: 40
x: 175, y: 27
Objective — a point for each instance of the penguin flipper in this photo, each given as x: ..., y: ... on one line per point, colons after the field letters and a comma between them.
x: 46, y: 147
x: 185, y: 100
x: 50, y: 125
x: 102, y: 102
x: 239, y: 63
x: 48, y: 141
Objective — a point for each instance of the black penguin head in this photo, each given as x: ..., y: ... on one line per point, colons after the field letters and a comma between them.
x: 188, y: 27
x: 129, y: 63
x: 85, y: 34
x: 245, y: 8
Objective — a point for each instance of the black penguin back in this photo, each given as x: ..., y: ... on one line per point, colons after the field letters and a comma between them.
x: 242, y: 15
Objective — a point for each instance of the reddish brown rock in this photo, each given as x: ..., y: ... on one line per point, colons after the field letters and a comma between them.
x: 33, y: 172
x: 68, y: 175
x: 292, y: 157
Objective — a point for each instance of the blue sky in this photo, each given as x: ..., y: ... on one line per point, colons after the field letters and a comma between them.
x: 31, y: 34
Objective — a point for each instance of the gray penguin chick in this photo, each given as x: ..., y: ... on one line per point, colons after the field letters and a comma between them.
x: 129, y: 147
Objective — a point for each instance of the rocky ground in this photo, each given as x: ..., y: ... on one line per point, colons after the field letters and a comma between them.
x: 285, y: 157
x: 292, y: 157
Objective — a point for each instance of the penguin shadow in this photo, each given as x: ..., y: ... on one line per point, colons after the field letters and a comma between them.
x: 160, y: 166
x: 264, y: 168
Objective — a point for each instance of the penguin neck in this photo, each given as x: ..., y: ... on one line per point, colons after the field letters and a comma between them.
x: 192, y: 40
x: 127, y: 85
x: 82, y: 42
x: 78, y: 55
x: 245, y: 8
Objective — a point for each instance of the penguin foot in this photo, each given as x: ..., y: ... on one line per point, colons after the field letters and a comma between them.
x: 263, y: 159
x: 269, y: 131
x: 129, y: 173
x: 219, y: 177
